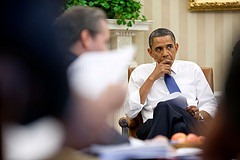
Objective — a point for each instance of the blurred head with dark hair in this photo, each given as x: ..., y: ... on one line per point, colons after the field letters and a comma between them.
x: 33, y: 79
x: 80, y: 29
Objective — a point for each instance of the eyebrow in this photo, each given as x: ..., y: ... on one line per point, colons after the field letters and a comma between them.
x: 164, y: 46
x: 159, y: 47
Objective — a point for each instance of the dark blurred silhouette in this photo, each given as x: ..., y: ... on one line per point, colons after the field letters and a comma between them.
x: 236, y: 49
x: 223, y: 140
x: 33, y: 81
x: 28, y: 49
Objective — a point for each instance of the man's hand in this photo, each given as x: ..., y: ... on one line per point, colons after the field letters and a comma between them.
x: 164, y: 67
x: 161, y: 68
x: 194, y: 111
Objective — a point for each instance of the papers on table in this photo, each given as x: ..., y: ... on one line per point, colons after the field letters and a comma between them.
x: 188, y: 152
x: 92, y: 72
x: 127, y: 151
x: 139, y: 149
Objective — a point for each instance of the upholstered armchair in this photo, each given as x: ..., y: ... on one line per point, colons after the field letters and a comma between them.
x: 129, y: 126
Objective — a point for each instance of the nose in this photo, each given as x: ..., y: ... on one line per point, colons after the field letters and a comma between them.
x: 165, y: 53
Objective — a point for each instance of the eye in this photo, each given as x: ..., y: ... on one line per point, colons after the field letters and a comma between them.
x: 169, y: 46
x: 158, y: 49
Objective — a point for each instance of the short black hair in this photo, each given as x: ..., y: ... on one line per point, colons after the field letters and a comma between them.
x: 160, y: 32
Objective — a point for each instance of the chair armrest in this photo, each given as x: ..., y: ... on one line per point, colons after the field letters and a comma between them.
x: 130, y: 125
x: 127, y: 122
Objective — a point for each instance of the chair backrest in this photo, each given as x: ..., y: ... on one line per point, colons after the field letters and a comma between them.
x: 208, y: 72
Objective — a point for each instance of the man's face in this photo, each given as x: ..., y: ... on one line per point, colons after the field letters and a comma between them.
x: 100, y: 42
x: 163, y: 48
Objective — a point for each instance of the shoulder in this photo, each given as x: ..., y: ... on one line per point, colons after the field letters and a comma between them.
x: 142, y: 71
x: 144, y: 68
x: 186, y: 67
x: 186, y: 64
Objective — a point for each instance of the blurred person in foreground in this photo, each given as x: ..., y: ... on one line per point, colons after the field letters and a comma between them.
x: 40, y: 119
x: 33, y: 82
x: 223, y: 140
x: 80, y: 30
x: 150, y: 85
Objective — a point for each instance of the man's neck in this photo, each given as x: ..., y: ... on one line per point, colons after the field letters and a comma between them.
x: 77, y: 49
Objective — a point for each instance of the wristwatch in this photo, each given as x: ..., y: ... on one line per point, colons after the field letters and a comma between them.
x: 201, y: 116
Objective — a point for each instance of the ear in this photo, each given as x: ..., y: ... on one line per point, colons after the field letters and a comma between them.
x: 150, y: 52
x: 177, y: 46
x: 86, y: 39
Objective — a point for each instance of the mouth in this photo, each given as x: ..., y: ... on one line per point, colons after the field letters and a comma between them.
x: 167, y: 61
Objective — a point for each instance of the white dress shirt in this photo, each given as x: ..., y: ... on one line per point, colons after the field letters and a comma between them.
x: 189, y: 78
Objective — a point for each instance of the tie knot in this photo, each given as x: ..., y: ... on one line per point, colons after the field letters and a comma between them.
x: 167, y: 76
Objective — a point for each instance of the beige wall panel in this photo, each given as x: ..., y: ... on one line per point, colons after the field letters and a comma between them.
x: 192, y: 35
x: 209, y: 37
x: 217, y: 58
x: 150, y: 12
x: 164, y: 13
x: 141, y: 49
x: 183, y: 29
x: 174, y: 17
x: 201, y: 45
x: 206, y: 37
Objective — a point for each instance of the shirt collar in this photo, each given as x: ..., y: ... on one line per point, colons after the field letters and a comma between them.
x: 174, y: 68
